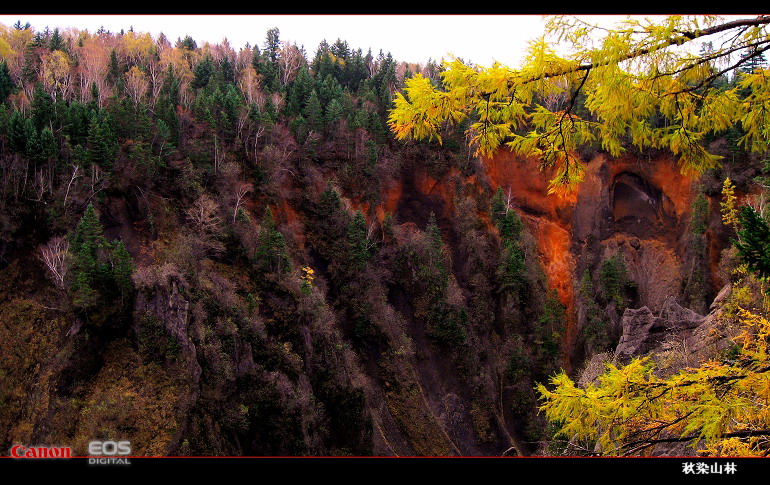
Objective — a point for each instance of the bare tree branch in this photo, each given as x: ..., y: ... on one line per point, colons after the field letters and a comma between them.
x: 54, y: 255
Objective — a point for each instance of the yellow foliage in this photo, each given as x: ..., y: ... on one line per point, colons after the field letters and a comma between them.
x: 137, y: 46
x: 5, y: 49
x: 55, y: 72
x: 308, y: 275
x: 630, y: 409
x: 729, y: 211
x: 628, y: 75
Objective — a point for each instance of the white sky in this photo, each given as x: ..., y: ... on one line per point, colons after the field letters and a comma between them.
x: 481, y: 39
x: 411, y: 38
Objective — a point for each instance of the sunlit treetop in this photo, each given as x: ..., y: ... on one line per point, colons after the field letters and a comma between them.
x: 643, y: 83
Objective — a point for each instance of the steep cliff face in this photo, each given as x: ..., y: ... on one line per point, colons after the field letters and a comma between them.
x: 548, y: 217
x: 360, y: 361
x: 637, y: 208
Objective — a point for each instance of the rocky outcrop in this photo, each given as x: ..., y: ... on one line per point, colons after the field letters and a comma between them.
x: 643, y: 332
x: 677, y: 338
x: 161, y: 295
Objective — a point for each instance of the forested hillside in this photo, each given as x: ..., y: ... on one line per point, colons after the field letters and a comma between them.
x: 224, y: 250
x: 217, y: 251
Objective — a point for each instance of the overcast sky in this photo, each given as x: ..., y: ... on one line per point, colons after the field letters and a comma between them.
x: 481, y: 39
x: 411, y: 38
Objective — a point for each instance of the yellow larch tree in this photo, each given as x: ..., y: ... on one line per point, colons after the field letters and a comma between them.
x: 721, y: 407
x: 641, y: 84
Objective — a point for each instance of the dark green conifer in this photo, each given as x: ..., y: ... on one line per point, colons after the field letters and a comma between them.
x: 227, y: 71
x: 271, y: 255
x: 6, y: 83
x: 102, y: 142
x: 85, y: 245
x: 47, y: 145
x: 361, y: 249
x: 42, y: 108
x: 115, y: 74
x: 56, y: 43
x: 203, y: 73
x: 168, y: 99
x: 314, y: 113
x: 334, y: 112
x: 754, y: 243
x: 299, y: 92
x: 330, y: 202
x: 18, y: 131
x: 122, y: 269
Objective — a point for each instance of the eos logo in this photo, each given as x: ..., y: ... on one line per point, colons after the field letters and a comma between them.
x: 109, y: 448
x: 106, y: 451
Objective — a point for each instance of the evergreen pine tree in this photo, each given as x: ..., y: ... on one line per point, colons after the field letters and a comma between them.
x: 435, y: 272
x: 47, y: 145
x: 323, y: 64
x: 357, y: 71
x: 102, y: 142
x: 384, y: 80
x: 6, y: 83
x: 231, y: 106
x: 164, y: 137
x: 266, y: 62
x: 31, y: 62
x: 85, y: 244
x: 329, y: 203
x: 507, y: 220
x: 595, y: 332
x: 314, y: 113
x: 203, y: 73
x: 376, y: 127
x: 168, y: 100
x: 122, y: 269
x: 511, y: 271
x: 299, y: 128
x: 271, y: 255
x: 272, y: 44
x: 188, y: 43
x: 498, y: 206
x: 77, y: 119
x: 227, y: 71
x: 755, y: 59
x: 547, y: 331
x: 614, y: 278
x: 33, y: 150
x: 115, y: 74
x: 361, y: 249
x: 56, y: 43
x: 42, y: 108
x: 94, y: 94
x: 329, y: 90
x: 299, y: 92
x: 334, y: 112
x: 754, y: 242
x: 361, y: 119
x: 17, y: 132
x: 371, y: 158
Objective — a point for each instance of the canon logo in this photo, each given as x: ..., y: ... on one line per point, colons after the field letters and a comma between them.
x: 21, y: 451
